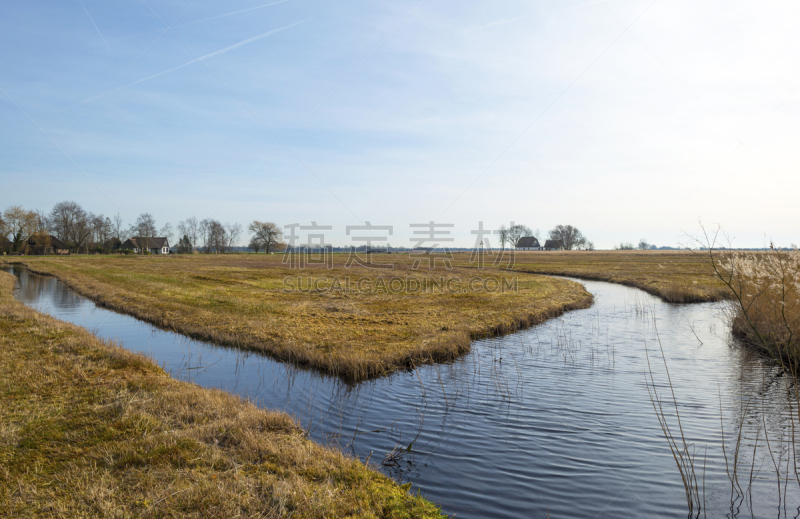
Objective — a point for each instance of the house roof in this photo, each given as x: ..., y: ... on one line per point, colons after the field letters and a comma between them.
x: 54, y: 242
x: 527, y: 241
x: 152, y: 243
x: 553, y: 244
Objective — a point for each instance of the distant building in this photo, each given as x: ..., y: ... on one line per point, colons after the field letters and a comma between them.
x: 154, y: 245
x: 553, y: 245
x: 528, y: 243
x: 40, y: 245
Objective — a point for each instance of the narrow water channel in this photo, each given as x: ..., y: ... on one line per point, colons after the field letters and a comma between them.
x: 555, y: 419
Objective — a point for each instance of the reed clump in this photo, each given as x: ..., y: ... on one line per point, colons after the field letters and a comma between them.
x: 88, y: 429
x: 766, y: 290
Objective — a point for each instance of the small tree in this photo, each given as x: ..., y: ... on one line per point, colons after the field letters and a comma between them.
x: 234, y: 231
x: 167, y: 232
x: 116, y: 225
x: 503, y: 235
x: 184, y: 245
x: 255, y: 244
x: 643, y: 245
x: 569, y: 236
x: 191, y: 229
x: 20, y: 224
x: 267, y: 234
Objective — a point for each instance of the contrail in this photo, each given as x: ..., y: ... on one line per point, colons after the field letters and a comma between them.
x: 230, y: 14
x: 95, y: 25
x: 222, y: 51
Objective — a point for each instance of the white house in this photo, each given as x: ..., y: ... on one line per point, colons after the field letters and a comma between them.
x: 154, y: 245
x: 528, y: 243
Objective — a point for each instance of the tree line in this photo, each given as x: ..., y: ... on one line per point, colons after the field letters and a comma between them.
x: 21, y: 230
x: 83, y: 231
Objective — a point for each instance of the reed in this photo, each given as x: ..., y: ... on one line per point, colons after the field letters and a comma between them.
x: 765, y: 288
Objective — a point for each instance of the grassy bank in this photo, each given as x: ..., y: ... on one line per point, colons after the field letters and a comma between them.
x: 89, y: 429
x: 371, y: 329
x: 674, y: 276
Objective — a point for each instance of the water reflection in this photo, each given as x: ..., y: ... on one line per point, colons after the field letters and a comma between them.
x: 525, y: 423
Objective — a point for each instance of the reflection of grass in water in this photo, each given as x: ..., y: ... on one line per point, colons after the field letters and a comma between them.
x: 733, y: 446
x: 678, y: 446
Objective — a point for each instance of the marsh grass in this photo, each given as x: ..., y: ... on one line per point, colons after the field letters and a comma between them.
x: 673, y: 276
x: 88, y: 429
x: 764, y: 289
x: 241, y: 301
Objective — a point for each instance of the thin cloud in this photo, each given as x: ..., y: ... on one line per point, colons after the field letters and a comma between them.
x: 232, y: 13
x: 221, y: 51
x: 95, y: 25
x: 494, y: 24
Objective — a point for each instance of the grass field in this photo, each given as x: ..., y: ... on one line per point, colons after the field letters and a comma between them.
x: 674, y: 276
x: 88, y: 429
x: 358, y: 322
x: 378, y: 322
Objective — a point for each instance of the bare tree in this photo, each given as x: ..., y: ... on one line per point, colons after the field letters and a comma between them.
x: 266, y: 234
x: 70, y: 223
x: 569, y: 236
x: 503, y: 235
x: 167, y: 232
x: 234, y: 231
x: 517, y: 231
x: 205, y: 232
x: 116, y: 224
x: 20, y: 224
x: 191, y: 229
x: 144, y: 229
x: 217, y: 236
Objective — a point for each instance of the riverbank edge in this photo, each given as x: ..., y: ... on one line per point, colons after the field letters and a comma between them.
x: 89, y: 428
x: 668, y: 294
x: 445, y: 349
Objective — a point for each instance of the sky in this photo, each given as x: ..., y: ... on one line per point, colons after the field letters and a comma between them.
x: 627, y: 119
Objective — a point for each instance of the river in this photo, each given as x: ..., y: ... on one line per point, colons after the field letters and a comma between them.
x: 554, y: 419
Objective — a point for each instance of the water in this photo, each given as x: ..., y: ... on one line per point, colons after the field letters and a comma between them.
x: 553, y: 419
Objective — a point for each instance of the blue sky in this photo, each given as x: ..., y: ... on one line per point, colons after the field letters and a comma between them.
x: 627, y: 119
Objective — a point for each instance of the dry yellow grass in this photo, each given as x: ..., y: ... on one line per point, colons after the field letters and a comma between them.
x: 88, y: 429
x: 674, y: 276
x: 242, y: 301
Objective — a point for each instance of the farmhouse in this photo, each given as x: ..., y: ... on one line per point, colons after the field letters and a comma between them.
x: 553, y: 245
x: 40, y: 245
x: 528, y: 243
x: 153, y: 245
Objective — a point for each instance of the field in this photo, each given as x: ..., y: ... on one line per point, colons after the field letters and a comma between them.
x: 359, y: 322
x: 674, y: 276
x: 88, y: 429
x: 396, y: 319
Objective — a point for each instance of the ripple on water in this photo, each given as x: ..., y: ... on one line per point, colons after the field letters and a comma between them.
x: 562, y: 424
